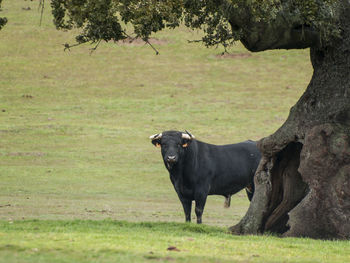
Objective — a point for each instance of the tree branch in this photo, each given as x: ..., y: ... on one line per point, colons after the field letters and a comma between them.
x: 146, y: 40
x: 41, y: 8
x: 94, y: 48
x: 68, y: 46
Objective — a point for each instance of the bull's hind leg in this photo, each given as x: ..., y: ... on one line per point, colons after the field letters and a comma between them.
x: 227, y: 201
x: 200, y: 199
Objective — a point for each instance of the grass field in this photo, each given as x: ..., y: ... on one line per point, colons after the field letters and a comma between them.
x: 74, y: 144
x: 117, y: 241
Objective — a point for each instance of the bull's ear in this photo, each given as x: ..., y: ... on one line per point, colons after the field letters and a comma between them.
x: 155, y: 139
x: 186, y: 139
x: 156, y: 143
x: 186, y: 142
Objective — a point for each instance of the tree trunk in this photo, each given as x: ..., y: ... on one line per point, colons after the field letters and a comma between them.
x: 303, y: 180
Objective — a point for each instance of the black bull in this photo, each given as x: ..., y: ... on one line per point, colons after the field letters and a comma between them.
x: 199, y: 169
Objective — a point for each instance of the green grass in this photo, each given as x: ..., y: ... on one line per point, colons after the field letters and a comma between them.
x: 120, y: 241
x: 74, y: 143
x: 74, y: 128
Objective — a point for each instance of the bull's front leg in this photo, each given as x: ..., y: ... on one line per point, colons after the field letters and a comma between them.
x: 200, y: 199
x: 187, y: 205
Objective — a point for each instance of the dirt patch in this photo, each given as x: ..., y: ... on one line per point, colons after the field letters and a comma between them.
x: 139, y: 42
x: 173, y: 248
x: 103, y: 211
x: 27, y: 96
x: 233, y: 56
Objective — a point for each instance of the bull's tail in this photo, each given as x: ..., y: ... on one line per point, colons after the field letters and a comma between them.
x: 227, y: 201
x: 250, y: 191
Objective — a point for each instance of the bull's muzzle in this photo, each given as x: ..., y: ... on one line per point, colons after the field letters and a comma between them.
x: 170, y: 161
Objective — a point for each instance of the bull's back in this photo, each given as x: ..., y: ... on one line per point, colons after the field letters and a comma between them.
x: 231, y: 167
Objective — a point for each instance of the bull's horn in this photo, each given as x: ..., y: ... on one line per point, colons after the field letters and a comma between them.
x: 187, y: 135
x: 156, y: 136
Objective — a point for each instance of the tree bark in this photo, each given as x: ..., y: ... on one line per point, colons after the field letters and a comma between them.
x: 303, y: 180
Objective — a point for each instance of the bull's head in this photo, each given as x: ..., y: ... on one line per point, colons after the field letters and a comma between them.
x: 173, y: 144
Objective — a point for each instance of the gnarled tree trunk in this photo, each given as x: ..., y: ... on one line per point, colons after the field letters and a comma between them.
x: 303, y: 180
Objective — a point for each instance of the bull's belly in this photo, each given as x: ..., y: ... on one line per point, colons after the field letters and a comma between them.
x: 226, y: 190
